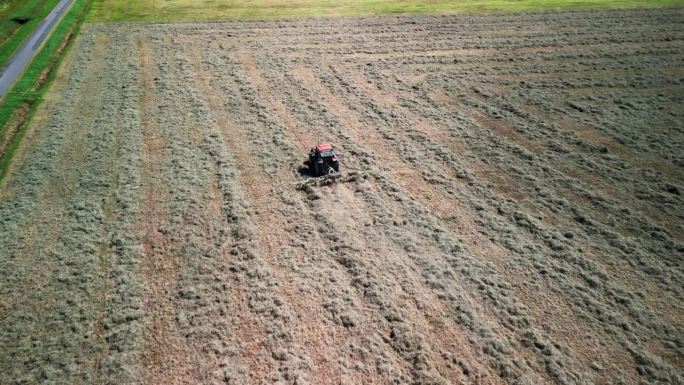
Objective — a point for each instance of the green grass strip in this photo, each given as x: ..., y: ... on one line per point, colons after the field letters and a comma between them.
x: 162, y: 10
x: 13, y: 34
x: 23, y: 91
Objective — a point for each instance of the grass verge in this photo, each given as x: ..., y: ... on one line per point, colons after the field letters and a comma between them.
x: 159, y: 10
x: 18, y: 18
x: 19, y: 105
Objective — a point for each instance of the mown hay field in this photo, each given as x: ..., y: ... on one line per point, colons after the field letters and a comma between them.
x: 512, y: 213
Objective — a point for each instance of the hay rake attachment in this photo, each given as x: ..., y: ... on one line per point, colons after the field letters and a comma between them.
x: 331, y: 178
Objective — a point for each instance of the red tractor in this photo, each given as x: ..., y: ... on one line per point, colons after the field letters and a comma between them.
x: 323, y: 160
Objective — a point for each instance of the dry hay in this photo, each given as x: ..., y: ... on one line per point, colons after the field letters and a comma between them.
x: 517, y: 216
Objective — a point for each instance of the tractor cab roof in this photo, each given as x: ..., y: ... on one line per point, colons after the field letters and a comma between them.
x: 322, y: 147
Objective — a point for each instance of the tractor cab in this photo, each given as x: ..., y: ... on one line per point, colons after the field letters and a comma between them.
x: 324, y: 147
x: 325, y: 150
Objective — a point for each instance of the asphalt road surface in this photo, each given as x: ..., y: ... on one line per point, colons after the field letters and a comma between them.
x: 17, y: 64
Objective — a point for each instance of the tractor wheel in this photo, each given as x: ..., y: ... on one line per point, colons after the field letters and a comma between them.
x: 336, y: 167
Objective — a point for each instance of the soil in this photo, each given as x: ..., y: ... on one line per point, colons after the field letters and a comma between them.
x: 45, y: 74
x: 511, y: 213
x: 12, y: 126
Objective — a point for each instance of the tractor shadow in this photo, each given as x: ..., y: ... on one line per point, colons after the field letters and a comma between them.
x: 305, y: 170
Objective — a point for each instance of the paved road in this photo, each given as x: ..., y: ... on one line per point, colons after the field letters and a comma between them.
x: 17, y: 64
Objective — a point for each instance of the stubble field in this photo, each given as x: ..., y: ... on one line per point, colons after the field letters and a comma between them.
x: 513, y: 212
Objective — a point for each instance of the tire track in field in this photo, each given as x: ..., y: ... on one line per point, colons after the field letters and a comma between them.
x: 272, y: 224
x: 247, y: 329
x: 167, y: 354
